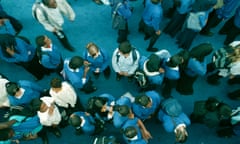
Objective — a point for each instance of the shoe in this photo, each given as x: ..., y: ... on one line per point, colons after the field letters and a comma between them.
x: 44, y: 139
x: 118, y: 78
x: 152, y: 49
x: 96, y: 75
x: 57, y: 132
x: 207, y: 33
x: 70, y: 48
x: 146, y: 37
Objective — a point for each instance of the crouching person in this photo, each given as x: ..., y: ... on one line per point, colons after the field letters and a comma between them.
x: 48, y: 113
x: 83, y: 123
x: 173, y: 119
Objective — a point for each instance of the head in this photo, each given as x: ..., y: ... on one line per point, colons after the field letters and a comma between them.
x: 156, y: 1
x: 175, y: 61
x: 12, y: 88
x: 50, y: 3
x: 76, y: 62
x: 212, y: 103
x: 201, y: 51
x: 98, y: 104
x: 92, y: 49
x: 123, y: 110
x: 143, y: 100
x: 130, y: 132
x: 36, y: 104
x: 181, y: 134
x: 56, y: 84
x: 153, y: 63
x: 7, y: 41
x: 75, y: 120
x: 43, y: 41
x: 125, y: 48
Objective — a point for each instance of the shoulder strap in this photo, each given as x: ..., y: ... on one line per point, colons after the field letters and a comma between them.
x: 116, y: 9
x: 134, y: 54
x: 37, y: 5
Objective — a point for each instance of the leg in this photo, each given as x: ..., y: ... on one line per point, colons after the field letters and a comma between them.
x: 231, y: 35
x: 227, y: 26
x: 64, y: 40
x: 107, y: 72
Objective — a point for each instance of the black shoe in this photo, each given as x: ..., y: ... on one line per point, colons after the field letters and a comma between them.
x: 118, y: 78
x: 56, y: 132
x: 96, y: 75
x: 44, y: 139
x: 147, y: 37
x: 207, y: 33
x: 70, y: 48
x: 152, y: 49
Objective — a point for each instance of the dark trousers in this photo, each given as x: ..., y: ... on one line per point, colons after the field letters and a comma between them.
x: 63, y: 39
x: 122, y: 34
x: 230, y: 30
x: 212, y: 22
x: 149, y: 32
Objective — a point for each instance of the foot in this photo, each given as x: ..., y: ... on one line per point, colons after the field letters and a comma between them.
x: 152, y: 49
x: 70, y: 48
x: 207, y: 33
x: 146, y: 37
x: 57, y: 132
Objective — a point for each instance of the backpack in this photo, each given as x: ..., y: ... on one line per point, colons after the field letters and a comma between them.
x: 134, y: 55
x: 171, y: 107
x: 37, y: 5
x: 141, y: 78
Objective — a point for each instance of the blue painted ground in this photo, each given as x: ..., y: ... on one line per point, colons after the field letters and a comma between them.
x: 93, y: 23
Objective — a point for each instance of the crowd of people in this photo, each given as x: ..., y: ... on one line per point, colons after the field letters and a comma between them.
x: 29, y: 111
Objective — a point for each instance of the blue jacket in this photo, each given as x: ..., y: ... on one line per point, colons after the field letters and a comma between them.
x: 124, y: 10
x: 170, y: 123
x: 25, y: 52
x: 24, y: 127
x: 196, y: 67
x: 101, y: 62
x: 226, y: 10
x: 88, y: 127
x: 75, y: 78
x: 144, y: 112
x: 134, y: 122
x: 51, y: 59
x: 7, y: 28
x: 155, y: 79
x: 171, y: 73
x: 152, y: 15
x: 32, y: 90
x: 185, y: 6
x: 237, y: 18
x: 118, y: 119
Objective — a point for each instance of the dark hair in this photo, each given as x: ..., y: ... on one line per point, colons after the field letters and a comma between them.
x: 125, y: 47
x: 7, y: 41
x: 175, y: 61
x: 75, y: 120
x: 130, y: 132
x: 12, y: 88
x: 154, y: 62
x: 212, y: 103
x: 40, y: 40
x: 95, y: 104
x: 200, y: 51
x: 76, y: 62
x: 36, y: 104
x: 124, y: 110
x: 142, y: 100
x: 224, y: 111
x: 56, y: 83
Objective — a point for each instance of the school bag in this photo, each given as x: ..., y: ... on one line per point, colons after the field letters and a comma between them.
x: 37, y: 5
x: 171, y: 107
x: 141, y: 78
x: 105, y: 140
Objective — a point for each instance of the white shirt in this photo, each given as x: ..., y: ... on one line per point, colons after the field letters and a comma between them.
x: 65, y: 96
x: 4, y: 101
x: 45, y: 118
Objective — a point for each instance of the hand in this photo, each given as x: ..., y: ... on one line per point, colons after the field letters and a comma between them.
x: 146, y: 135
x: 161, y: 70
x: 158, y: 32
x: 86, y: 63
x: 10, y: 51
x: 51, y: 109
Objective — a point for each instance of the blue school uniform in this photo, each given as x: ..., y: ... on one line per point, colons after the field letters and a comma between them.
x: 51, y: 59
x: 145, y: 112
x: 32, y: 90
x: 101, y: 61
x: 170, y: 123
x: 88, y: 127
